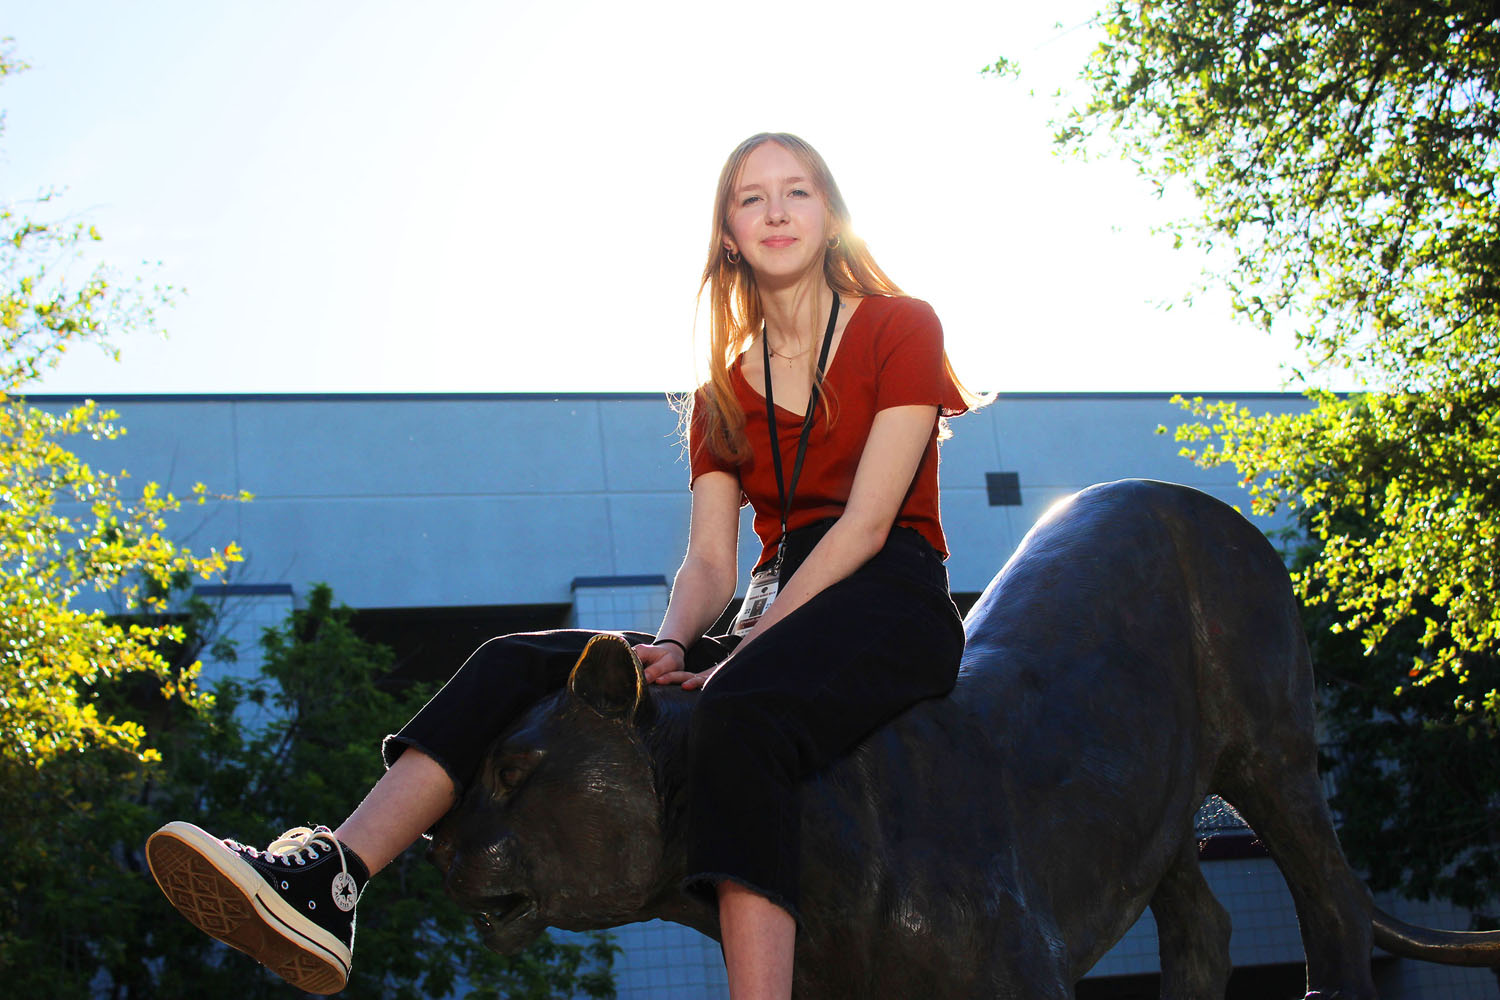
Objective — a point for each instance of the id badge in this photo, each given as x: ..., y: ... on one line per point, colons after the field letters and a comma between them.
x: 758, y: 597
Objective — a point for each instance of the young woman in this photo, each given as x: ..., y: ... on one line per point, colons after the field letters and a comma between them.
x: 823, y: 405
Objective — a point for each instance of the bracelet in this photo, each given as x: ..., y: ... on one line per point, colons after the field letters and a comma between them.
x: 671, y: 642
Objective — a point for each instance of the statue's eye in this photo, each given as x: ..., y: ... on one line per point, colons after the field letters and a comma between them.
x: 512, y: 769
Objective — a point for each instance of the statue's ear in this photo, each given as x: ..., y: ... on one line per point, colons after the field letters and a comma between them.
x: 608, y: 677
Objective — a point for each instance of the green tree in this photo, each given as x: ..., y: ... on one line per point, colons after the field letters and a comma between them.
x: 1345, y: 158
x: 71, y: 540
x: 291, y: 745
x: 68, y: 533
x: 1415, y: 790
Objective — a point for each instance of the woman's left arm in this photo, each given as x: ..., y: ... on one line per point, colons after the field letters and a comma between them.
x: 898, y: 438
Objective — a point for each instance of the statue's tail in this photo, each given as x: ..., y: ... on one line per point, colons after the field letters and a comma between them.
x: 1481, y: 948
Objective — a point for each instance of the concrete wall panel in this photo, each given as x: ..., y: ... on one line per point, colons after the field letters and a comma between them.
x: 160, y: 446
x: 430, y: 551
x: 328, y: 447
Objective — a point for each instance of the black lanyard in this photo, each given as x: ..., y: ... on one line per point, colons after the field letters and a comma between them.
x: 782, y: 493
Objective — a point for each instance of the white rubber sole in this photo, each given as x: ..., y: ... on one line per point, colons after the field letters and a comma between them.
x: 226, y: 898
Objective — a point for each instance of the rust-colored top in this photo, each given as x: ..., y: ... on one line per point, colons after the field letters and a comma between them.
x: 891, y: 355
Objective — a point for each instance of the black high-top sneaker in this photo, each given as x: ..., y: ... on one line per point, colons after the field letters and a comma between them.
x: 289, y: 907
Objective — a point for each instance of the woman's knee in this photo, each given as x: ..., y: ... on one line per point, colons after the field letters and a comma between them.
x: 506, y: 647
x: 525, y: 653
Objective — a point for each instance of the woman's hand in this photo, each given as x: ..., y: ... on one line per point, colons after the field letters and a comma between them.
x: 664, y: 665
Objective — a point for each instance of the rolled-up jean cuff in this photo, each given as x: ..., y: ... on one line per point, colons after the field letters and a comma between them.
x: 394, y: 745
x: 705, y: 885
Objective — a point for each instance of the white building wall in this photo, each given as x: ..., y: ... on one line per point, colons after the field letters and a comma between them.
x: 431, y: 501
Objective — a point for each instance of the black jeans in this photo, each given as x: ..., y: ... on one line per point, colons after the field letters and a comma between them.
x: 496, y: 685
x: 806, y: 691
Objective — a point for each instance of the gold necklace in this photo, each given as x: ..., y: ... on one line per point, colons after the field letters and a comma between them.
x: 788, y: 357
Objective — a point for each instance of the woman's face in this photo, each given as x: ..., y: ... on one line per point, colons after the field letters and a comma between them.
x: 777, y: 219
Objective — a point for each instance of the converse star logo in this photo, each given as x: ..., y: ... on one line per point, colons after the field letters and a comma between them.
x: 344, y: 893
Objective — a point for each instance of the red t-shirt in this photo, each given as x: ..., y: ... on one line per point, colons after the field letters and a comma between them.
x: 891, y: 355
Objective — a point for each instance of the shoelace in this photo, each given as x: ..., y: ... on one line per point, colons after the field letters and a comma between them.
x: 299, y: 843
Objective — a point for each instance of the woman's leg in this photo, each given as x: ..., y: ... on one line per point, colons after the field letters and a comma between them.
x: 408, y: 799
x: 759, y: 938
x: 803, y: 694
x: 291, y: 906
x: 496, y: 685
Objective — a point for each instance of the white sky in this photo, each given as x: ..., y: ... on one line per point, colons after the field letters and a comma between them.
x: 514, y: 196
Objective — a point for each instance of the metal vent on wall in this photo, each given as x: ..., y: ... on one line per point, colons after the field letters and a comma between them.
x: 1004, y: 488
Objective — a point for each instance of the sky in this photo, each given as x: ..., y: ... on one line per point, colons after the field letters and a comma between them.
x: 514, y: 196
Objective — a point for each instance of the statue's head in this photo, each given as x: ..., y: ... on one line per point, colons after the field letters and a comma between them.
x: 562, y: 825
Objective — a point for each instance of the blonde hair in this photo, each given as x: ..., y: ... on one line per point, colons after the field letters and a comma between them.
x: 735, y: 314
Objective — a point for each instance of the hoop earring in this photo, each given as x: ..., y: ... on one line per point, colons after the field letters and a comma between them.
x: 835, y: 244
x: 731, y: 255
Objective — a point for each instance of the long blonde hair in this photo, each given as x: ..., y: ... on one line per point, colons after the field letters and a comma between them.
x: 735, y: 313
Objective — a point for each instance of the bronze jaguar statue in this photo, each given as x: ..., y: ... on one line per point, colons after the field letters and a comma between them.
x: 1140, y: 650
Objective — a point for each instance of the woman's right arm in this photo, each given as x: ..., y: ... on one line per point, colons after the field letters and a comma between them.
x: 705, y: 583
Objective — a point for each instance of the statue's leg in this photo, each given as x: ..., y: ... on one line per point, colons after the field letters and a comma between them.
x: 1278, y: 792
x: 1026, y: 966
x: 1192, y: 930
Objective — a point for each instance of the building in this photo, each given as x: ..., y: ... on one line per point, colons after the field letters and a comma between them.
x: 449, y: 518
